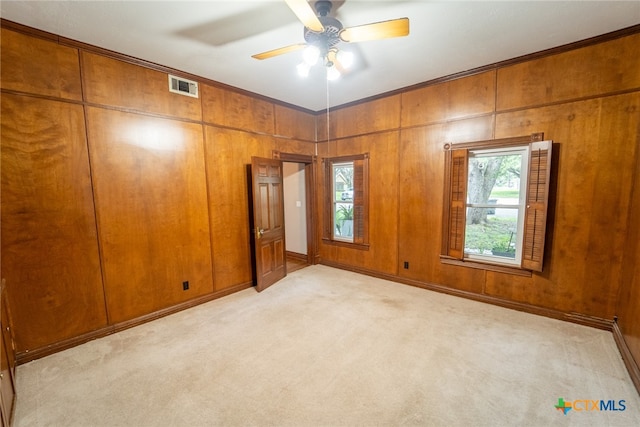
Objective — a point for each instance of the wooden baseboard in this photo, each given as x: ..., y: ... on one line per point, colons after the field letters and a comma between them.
x: 27, y: 356
x: 627, y: 356
x: 594, y: 322
x: 297, y: 256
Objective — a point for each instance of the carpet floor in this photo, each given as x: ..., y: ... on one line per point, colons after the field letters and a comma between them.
x: 326, y: 347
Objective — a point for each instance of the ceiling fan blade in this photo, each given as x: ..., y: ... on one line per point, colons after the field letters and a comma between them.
x: 376, y: 31
x: 279, y: 51
x: 306, y: 14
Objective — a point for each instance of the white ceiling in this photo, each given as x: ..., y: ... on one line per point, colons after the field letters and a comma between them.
x: 215, y: 39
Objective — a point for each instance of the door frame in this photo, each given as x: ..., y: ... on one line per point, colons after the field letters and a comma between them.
x: 313, y: 256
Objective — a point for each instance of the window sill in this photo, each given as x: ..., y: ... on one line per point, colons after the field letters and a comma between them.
x: 483, y: 266
x: 360, y: 246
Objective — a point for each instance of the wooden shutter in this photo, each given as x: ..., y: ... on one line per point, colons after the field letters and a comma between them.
x: 360, y: 200
x: 457, y: 198
x: 535, y: 220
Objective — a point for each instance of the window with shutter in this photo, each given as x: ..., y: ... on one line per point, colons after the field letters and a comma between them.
x: 346, y: 201
x: 496, y: 198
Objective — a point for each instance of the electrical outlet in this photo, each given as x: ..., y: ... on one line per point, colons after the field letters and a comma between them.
x: 406, y: 265
x: 185, y: 286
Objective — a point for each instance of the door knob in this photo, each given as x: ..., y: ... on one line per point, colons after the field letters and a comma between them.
x: 259, y: 232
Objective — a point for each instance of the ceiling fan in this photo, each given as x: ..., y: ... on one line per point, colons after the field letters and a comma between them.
x: 323, y: 33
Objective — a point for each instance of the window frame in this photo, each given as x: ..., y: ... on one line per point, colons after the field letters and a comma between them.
x: 524, y: 151
x: 360, y: 202
x: 533, y: 218
x: 335, y: 201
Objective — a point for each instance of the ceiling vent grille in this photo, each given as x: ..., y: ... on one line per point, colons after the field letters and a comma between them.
x: 183, y: 86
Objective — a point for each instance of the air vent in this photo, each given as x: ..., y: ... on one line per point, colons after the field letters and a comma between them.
x: 183, y: 86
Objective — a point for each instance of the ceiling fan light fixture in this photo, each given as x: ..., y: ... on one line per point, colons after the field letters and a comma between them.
x: 303, y: 69
x: 310, y: 54
x: 345, y: 58
x: 323, y: 33
x: 332, y: 73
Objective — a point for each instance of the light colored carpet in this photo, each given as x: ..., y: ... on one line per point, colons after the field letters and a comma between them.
x: 329, y: 347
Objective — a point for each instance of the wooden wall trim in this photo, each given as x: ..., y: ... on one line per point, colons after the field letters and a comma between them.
x: 632, y: 366
x: 569, y: 100
x: 581, y: 319
x: 310, y: 184
x: 383, y: 131
x: 19, y: 28
x: 28, y: 356
x: 297, y: 256
x: 293, y: 157
x: 359, y: 135
x: 445, y: 259
x: 64, y: 41
x: 490, y: 67
x: 40, y: 96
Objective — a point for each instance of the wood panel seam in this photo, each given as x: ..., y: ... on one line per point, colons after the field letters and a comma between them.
x: 399, y: 167
x: 209, y: 213
x: 569, y: 101
x: 495, y: 103
x: 494, y: 113
x: 93, y: 191
x: 148, y: 114
x: 421, y: 125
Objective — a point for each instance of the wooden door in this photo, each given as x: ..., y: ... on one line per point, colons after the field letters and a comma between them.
x: 7, y: 362
x: 268, y: 221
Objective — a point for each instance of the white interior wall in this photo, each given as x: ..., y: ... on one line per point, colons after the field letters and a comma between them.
x: 295, y: 212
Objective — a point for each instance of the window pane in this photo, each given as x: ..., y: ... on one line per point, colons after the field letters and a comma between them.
x: 494, y: 180
x: 343, y: 214
x: 343, y: 201
x: 497, y: 235
x: 343, y: 181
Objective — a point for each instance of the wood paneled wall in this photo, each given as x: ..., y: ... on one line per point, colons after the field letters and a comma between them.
x: 113, y: 83
x: 30, y: 65
x: 596, y: 152
x: 151, y: 204
x: 49, y: 239
x: 628, y: 310
x: 113, y: 195
x: 116, y: 191
x: 587, y: 100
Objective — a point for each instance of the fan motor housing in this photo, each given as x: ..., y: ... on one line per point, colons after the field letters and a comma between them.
x: 329, y: 37
x: 323, y: 7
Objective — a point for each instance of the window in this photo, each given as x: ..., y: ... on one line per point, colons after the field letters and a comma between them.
x: 346, y: 201
x: 496, y: 202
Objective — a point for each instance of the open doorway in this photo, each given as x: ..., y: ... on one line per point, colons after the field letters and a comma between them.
x: 295, y: 214
x: 298, y: 175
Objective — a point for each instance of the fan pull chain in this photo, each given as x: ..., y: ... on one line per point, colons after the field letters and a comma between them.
x: 328, y: 129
